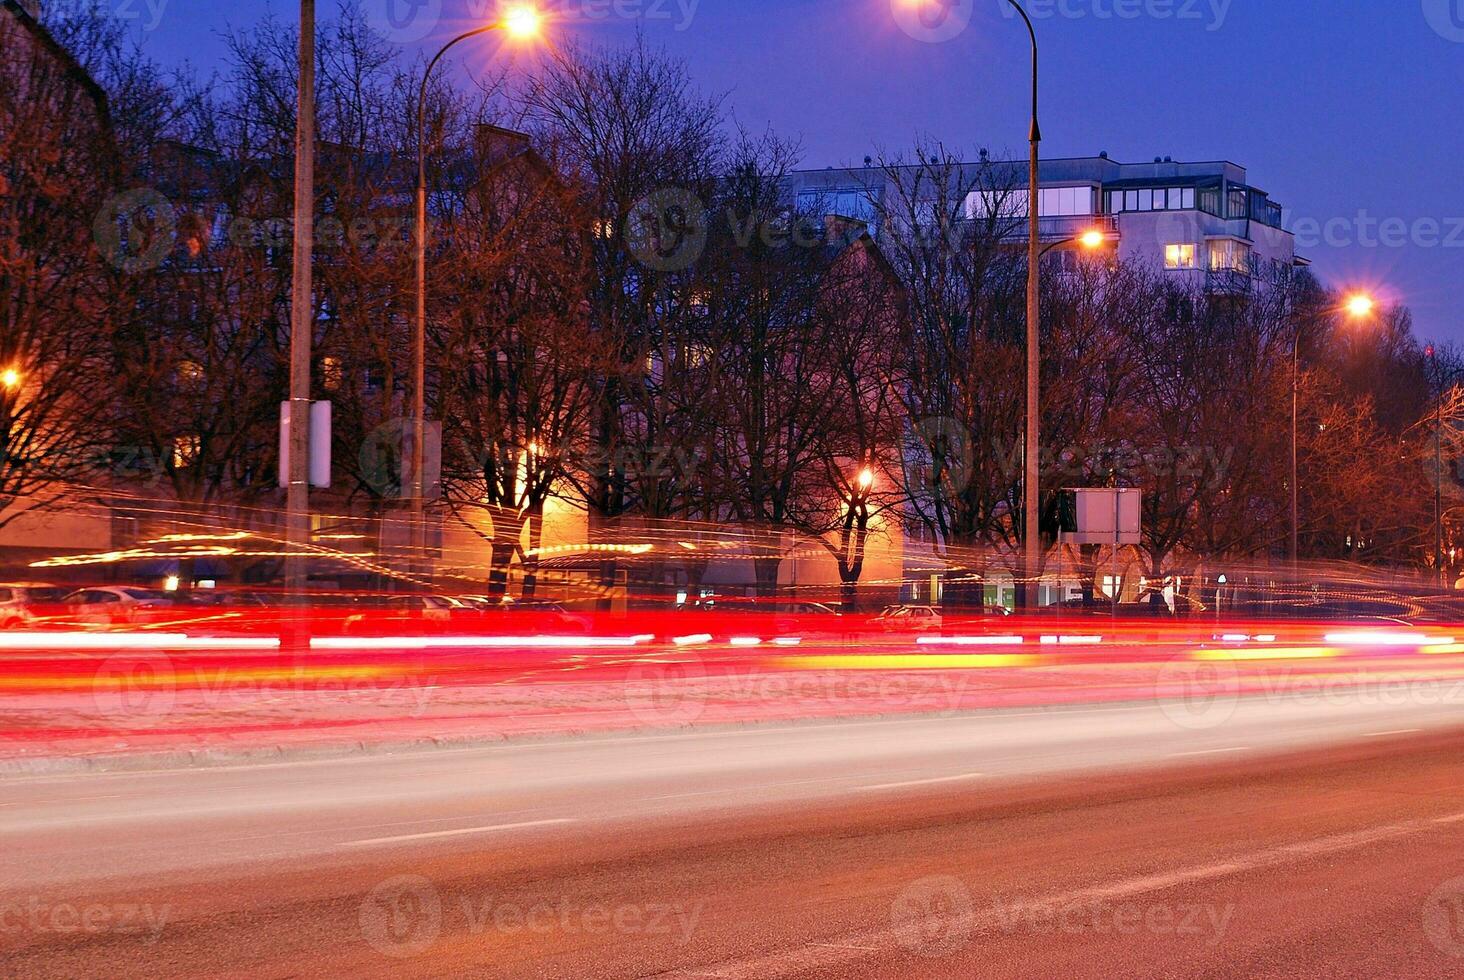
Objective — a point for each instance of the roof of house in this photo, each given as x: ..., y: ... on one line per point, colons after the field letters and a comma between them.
x: 63, y: 56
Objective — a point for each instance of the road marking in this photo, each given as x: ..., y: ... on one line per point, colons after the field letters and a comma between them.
x: 454, y: 833
x: 838, y: 954
x: 1181, y: 755
x: 921, y: 782
x: 866, y: 949
x: 1396, y: 731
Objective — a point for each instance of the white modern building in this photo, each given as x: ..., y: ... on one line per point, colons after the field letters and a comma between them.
x: 1205, y: 221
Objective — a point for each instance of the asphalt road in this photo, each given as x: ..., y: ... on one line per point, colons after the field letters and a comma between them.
x: 1282, y: 836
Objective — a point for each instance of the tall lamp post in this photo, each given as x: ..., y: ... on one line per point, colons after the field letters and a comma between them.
x: 1359, y: 306
x: 1438, y: 384
x: 1031, y: 453
x: 518, y: 22
x: 302, y: 316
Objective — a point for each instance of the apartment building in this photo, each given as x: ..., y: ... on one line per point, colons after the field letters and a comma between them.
x: 1204, y: 221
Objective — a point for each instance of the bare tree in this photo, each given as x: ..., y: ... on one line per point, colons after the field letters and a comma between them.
x: 59, y: 154
x: 516, y: 361
x: 627, y: 129
x: 946, y: 228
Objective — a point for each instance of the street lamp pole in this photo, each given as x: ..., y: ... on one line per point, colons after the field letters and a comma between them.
x: 302, y: 316
x: 520, y: 21
x: 1295, y: 412
x: 1032, y: 495
x: 1438, y: 384
x: 1358, y: 306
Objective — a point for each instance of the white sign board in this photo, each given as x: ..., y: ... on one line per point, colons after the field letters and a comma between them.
x: 1107, y: 516
x: 319, y: 456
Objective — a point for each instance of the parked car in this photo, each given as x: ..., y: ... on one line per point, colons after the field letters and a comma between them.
x: 112, y: 605
x: 410, y: 612
x: 23, y: 604
x: 807, y: 609
x: 909, y: 618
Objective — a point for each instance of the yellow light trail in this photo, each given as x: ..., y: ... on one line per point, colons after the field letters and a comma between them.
x: 1268, y: 653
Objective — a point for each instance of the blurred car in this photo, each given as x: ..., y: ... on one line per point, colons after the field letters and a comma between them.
x: 548, y: 616
x: 111, y: 605
x: 807, y: 609
x: 913, y: 618
x: 24, y: 604
x: 410, y: 612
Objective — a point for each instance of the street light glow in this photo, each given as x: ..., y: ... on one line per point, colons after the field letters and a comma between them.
x: 1092, y: 238
x: 1361, y: 305
x: 866, y: 478
x: 523, y: 22
x: 10, y: 378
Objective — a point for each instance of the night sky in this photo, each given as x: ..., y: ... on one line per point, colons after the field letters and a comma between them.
x: 1348, y: 113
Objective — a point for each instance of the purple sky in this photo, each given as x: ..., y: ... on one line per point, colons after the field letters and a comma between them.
x: 1347, y: 114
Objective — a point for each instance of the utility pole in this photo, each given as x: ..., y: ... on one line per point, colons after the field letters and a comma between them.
x: 1032, y: 493
x: 302, y: 313
x: 1438, y: 385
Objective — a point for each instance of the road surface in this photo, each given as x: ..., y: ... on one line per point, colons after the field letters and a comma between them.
x: 1292, y: 837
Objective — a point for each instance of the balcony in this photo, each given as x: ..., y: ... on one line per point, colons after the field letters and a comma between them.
x: 1063, y: 227
x: 1229, y: 282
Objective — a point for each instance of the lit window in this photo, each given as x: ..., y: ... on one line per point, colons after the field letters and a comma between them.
x: 1179, y: 256
x: 698, y: 355
x: 1229, y: 256
x: 186, y: 450
x: 331, y: 373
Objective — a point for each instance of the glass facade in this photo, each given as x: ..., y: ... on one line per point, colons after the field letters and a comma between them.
x: 847, y: 202
x: 1052, y: 202
x: 1151, y: 199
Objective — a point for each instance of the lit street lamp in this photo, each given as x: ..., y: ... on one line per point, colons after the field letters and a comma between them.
x: 1032, y: 491
x: 1439, y: 514
x: 1092, y: 240
x: 1359, y: 306
x: 1032, y: 496
x: 522, y: 22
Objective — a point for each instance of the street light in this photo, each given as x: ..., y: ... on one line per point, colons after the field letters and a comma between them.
x: 1091, y: 239
x: 519, y: 22
x: 866, y: 479
x: 10, y: 378
x: 1438, y: 379
x: 1359, y: 306
x: 1032, y: 495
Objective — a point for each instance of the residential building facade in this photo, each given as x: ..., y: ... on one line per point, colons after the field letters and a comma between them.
x: 1203, y: 221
